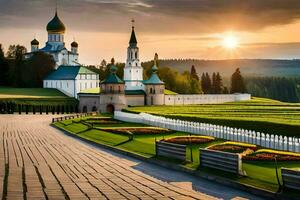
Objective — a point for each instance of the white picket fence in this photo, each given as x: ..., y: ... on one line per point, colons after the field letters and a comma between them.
x: 271, y: 141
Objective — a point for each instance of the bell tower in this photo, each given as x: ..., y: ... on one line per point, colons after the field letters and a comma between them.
x: 133, y: 71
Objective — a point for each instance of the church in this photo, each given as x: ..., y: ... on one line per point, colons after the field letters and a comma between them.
x: 116, y: 93
x: 69, y: 76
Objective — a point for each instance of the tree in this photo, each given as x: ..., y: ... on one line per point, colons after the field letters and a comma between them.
x: 194, y: 74
x: 15, y: 56
x: 237, y: 82
x: 4, y: 68
x: 36, y: 69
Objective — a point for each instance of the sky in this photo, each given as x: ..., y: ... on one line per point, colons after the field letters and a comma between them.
x: 173, y: 28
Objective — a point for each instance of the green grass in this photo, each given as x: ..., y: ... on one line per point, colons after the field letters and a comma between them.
x: 145, y: 144
x: 36, y: 93
x: 259, y: 114
x: 104, y: 137
x: 35, y: 96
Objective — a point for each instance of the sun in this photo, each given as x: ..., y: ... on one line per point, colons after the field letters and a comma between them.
x: 230, y: 42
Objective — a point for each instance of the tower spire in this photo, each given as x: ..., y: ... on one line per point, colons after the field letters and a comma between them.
x: 133, y: 40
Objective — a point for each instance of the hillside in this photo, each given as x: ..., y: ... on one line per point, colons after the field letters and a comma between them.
x: 249, y: 67
x: 259, y: 114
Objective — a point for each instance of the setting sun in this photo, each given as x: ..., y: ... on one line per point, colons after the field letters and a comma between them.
x: 230, y: 42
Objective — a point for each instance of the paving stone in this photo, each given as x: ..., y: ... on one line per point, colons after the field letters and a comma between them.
x: 53, y: 165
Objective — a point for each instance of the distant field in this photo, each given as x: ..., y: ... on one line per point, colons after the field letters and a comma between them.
x: 34, y: 96
x: 264, y: 115
x: 17, y: 93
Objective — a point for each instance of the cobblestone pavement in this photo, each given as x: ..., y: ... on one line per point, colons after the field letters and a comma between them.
x: 39, y: 162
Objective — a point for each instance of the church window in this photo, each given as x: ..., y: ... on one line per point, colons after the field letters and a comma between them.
x: 111, y: 88
x: 136, y: 55
x: 119, y: 89
x: 151, y: 91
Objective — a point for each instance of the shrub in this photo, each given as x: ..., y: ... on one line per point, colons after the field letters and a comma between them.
x: 138, y: 131
x: 234, y: 147
x: 269, y: 155
x: 190, y: 140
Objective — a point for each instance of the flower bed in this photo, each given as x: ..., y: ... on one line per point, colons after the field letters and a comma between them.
x: 269, y: 155
x: 139, y: 131
x: 102, y: 120
x: 190, y: 140
x: 234, y: 147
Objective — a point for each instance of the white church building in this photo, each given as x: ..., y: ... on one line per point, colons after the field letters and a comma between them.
x: 69, y: 76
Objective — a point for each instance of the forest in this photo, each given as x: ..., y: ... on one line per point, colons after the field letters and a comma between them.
x: 15, y: 71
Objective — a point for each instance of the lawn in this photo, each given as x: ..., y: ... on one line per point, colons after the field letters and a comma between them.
x: 31, y: 93
x: 35, y: 96
x: 259, y: 114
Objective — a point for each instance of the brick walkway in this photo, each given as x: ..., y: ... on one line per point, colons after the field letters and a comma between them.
x: 38, y: 162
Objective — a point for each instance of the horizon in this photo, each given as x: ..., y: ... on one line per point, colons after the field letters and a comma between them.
x: 243, y: 31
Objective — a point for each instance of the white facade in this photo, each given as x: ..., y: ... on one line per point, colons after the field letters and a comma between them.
x: 72, y: 87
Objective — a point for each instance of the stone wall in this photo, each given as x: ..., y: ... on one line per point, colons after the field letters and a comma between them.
x: 135, y: 100
x: 89, y: 101
x: 180, y: 99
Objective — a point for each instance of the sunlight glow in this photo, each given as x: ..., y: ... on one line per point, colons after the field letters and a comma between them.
x: 230, y: 41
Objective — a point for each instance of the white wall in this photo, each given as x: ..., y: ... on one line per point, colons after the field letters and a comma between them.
x: 65, y: 86
x: 204, y: 98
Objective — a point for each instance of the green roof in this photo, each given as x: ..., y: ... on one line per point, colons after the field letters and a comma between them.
x: 112, y: 79
x: 169, y: 92
x: 56, y: 25
x: 68, y: 73
x: 134, y: 92
x: 153, y: 80
x: 91, y: 91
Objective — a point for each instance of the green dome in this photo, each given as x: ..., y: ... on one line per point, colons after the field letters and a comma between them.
x: 74, y: 44
x: 35, y: 42
x: 56, y: 25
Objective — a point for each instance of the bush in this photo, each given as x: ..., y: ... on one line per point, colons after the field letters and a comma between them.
x: 190, y: 140
x: 234, y: 147
x: 269, y: 155
x: 138, y: 131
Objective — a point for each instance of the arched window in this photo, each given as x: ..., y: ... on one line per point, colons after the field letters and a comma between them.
x: 151, y: 90
x: 111, y: 89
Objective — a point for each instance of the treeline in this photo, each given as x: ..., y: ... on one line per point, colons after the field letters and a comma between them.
x: 15, y: 71
x: 279, y: 88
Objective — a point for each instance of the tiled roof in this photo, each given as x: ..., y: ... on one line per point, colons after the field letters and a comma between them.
x: 68, y: 73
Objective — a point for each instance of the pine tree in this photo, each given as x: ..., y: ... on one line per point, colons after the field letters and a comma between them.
x: 237, y: 82
x: 208, y: 84
x: 214, y: 84
x: 203, y: 83
x: 194, y: 73
x: 218, y: 84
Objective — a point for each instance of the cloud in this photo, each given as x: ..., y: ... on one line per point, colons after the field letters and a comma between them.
x: 153, y: 16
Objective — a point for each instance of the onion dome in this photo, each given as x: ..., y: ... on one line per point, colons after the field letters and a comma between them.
x: 35, y: 42
x: 56, y: 25
x: 112, y: 77
x: 74, y: 44
x: 154, y: 79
